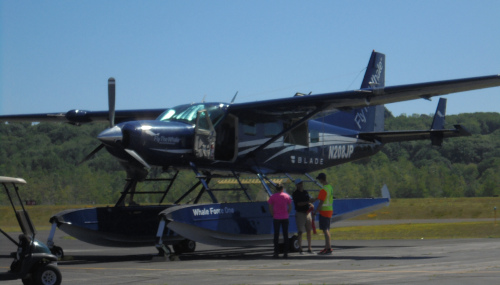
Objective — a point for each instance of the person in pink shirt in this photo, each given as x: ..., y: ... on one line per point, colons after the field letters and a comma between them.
x: 280, y: 205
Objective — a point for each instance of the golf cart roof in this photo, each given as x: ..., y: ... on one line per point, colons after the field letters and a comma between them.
x: 4, y: 179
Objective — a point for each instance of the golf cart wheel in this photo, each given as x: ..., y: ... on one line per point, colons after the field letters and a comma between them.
x: 58, y: 252
x: 47, y: 274
x: 294, y: 244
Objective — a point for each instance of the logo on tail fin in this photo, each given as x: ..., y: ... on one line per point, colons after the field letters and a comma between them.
x: 375, y: 79
x: 360, y: 117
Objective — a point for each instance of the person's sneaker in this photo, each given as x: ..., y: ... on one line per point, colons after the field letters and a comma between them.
x: 326, y: 251
x: 310, y: 251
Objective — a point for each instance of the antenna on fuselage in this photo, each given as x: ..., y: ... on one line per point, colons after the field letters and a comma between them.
x: 234, y: 97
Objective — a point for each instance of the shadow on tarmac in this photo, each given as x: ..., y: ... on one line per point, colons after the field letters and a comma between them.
x: 250, y: 254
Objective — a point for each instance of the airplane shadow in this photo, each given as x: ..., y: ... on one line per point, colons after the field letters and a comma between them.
x: 95, y: 259
x: 262, y: 254
x: 251, y: 254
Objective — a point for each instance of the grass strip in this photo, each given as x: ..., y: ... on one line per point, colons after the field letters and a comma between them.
x: 416, y: 231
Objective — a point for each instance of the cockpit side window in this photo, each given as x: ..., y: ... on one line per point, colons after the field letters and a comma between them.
x: 216, y: 113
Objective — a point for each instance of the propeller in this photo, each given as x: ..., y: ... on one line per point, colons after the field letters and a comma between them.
x: 90, y: 155
x: 111, y: 116
x: 111, y: 104
x: 111, y: 101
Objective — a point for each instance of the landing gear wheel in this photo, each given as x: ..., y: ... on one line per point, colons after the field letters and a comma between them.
x: 47, y: 274
x: 58, y: 252
x: 178, y: 248
x: 294, y: 244
x: 189, y: 245
x: 185, y: 246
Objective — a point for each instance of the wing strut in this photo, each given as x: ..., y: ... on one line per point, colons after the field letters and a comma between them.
x: 241, y: 185
x: 261, y: 178
x: 313, y: 180
x: 203, y: 180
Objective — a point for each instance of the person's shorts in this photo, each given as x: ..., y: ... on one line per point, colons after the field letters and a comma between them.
x: 324, y: 223
x: 304, y: 221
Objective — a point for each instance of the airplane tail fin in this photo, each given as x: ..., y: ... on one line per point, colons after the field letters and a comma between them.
x: 375, y: 72
x: 367, y: 119
x: 438, y: 122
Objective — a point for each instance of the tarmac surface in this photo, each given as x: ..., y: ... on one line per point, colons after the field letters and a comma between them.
x: 460, y: 261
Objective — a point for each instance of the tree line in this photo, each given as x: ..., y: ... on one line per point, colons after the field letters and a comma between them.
x: 47, y: 154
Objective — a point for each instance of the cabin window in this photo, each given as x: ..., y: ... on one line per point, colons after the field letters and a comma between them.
x: 249, y: 128
x: 298, y: 136
x: 272, y: 129
x: 314, y: 136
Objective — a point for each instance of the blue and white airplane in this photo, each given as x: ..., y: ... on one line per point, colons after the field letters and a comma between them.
x: 298, y: 134
x: 293, y: 135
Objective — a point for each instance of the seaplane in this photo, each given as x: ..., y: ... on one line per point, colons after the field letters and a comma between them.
x: 289, y: 136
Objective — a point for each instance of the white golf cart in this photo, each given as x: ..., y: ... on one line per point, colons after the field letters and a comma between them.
x: 33, y: 261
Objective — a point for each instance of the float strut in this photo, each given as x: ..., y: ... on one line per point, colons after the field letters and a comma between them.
x: 50, y: 239
x: 163, y: 250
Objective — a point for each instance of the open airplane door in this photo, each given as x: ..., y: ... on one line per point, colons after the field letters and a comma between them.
x: 226, y: 144
x: 204, y: 136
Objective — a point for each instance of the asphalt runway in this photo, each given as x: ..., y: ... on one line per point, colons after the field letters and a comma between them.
x: 462, y: 261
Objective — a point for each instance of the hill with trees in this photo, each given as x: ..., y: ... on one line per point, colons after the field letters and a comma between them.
x: 46, y: 155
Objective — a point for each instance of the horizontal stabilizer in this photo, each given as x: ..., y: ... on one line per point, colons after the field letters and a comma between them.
x: 401, y: 136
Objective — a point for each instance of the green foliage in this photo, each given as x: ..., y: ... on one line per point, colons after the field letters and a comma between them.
x: 46, y: 155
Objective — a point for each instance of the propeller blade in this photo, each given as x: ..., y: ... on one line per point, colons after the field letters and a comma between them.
x: 91, y: 154
x: 111, y: 101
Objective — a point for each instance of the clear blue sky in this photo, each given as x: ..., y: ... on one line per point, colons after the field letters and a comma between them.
x: 58, y: 55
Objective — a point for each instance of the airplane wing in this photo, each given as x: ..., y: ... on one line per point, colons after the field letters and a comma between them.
x: 80, y: 116
x: 293, y: 108
x: 302, y: 106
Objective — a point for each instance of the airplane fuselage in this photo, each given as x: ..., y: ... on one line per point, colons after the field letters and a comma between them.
x: 169, y: 143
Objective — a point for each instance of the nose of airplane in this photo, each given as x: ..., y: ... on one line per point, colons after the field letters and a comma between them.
x: 111, y: 136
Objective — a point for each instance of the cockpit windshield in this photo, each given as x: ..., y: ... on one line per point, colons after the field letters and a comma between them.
x: 188, y: 113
